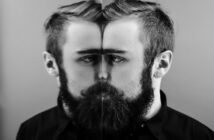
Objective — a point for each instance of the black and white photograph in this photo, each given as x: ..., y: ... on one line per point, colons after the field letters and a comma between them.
x: 106, y: 70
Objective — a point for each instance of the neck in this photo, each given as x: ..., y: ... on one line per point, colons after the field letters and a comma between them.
x: 155, y: 105
x: 66, y: 110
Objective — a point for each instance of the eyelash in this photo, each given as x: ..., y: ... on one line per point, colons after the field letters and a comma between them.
x: 94, y: 59
x: 117, y: 59
x: 88, y: 59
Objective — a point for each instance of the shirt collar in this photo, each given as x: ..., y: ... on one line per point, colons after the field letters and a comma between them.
x: 64, y: 120
x: 155, y: 124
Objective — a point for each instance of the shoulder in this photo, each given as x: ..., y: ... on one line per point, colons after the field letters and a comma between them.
x: 45, y: 117
x: 40, y: 122
x: 187, y: 126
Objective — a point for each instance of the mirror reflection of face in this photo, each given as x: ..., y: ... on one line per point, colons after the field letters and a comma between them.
x: 123, y: 35
x: 79, y: 36
x: 116, y: 57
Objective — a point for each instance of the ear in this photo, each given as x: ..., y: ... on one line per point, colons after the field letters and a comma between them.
x: 50, y: 64
x: 162, y: 64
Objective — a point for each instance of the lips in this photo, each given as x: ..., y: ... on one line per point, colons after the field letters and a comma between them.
x: 103, y: 96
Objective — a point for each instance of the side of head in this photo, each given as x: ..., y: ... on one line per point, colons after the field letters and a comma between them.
x: 55, y: 28
x: 157, y: 32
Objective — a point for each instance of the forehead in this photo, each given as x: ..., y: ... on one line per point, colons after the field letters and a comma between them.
x: 123, y: 34
x: 80, y: 34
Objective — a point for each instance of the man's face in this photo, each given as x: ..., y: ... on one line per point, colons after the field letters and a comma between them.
x: 123, y: 35
x: 80, y: 36
x: 103, y: 78
x: 117, y: 57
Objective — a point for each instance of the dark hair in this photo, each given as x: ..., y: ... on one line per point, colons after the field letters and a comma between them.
x: 56, y: 23
x: 157, y: 32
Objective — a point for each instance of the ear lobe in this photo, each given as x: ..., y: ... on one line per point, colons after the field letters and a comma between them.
x: 162, y: 64
x: 50, y: 64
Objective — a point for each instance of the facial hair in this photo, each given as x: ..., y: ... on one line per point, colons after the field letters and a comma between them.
x: 103, y: 107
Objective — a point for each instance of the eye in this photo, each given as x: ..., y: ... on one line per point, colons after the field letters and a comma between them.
x: 117, y: 59
x: 89, y: 59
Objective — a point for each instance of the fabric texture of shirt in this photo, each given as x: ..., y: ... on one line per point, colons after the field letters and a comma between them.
x: 167, y: 124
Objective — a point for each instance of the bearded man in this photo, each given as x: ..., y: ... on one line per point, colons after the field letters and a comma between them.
x: 109, y: 62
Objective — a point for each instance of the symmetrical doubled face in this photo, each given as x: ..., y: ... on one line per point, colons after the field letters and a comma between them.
x: 114, y: 56
x: 105, y: 84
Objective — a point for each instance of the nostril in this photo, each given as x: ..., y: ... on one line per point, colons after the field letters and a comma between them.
x: 103, y: 76
x: 103, y: 79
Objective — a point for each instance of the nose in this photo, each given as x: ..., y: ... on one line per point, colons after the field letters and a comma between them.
x: 103, y: 70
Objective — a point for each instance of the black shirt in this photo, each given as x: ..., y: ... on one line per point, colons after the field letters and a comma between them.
x: 168, y: 124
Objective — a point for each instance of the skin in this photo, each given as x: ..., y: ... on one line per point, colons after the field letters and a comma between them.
x: 124, y: 35
x: 117, y: 58
x: 83, y: 73
x: 80, y: 35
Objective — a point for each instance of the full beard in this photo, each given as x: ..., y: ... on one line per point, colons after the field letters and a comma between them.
x: 103, y: 108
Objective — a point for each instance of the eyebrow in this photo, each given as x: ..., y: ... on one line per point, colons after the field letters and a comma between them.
x: 101, y: 51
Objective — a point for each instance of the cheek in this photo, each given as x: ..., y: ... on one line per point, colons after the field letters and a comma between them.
x: 128, y: 79
x: 79, y: 79
x: 131, y: 89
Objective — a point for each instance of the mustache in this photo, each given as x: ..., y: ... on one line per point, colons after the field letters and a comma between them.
x: 102, y: 89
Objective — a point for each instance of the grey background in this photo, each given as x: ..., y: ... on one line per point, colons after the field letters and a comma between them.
x: 26, y: 89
